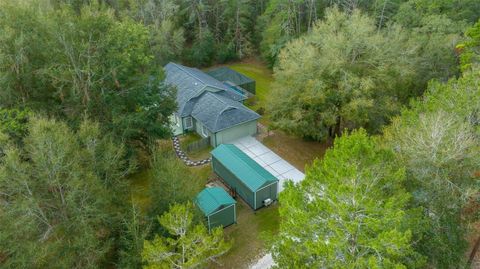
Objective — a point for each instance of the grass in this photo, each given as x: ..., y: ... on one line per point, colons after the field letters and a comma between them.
x: 261, y: 74
x: 295, y: 150
x: 140, y: 183
x: 190, y: 138
x: 248, y: 235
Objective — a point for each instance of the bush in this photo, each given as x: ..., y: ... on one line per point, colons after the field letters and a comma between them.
x: 261, y: 111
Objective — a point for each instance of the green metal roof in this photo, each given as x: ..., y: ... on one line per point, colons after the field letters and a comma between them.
x: 211, y: 199
x: 243, y: 167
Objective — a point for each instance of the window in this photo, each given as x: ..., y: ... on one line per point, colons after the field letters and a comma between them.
x: 204, y: 131
x: 188, y: 122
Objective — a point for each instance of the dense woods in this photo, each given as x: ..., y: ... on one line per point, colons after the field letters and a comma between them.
x: 83, y: 106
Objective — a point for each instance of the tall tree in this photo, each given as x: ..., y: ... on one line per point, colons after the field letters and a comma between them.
x: 343, y: 74
x: 437, y: 141
x: 349, y: 212
x: 70, y: 65
x: 60, y: 197
x: 190, y: 244
x: 167, y: 37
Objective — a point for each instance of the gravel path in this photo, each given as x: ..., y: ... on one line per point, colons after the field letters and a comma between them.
x: 183, y: 156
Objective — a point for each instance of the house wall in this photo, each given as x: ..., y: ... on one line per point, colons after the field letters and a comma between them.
x: 224, y: 136
x: 231, y: 134
x: 198, y: 128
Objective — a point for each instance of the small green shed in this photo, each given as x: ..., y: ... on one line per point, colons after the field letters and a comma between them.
x: 219, y: 208
x: 247, y: 178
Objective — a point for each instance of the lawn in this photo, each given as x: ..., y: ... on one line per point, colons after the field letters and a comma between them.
x: 257, y: 71
x: 248, y: 235
x: 200, y: 154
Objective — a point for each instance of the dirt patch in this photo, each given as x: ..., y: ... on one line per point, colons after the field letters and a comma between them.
x: 295, y: 150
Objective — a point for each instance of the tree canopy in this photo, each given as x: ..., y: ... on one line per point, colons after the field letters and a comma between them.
x: 60, y: 197
x: 437, y: 141
x: 190, y: 245
x: 349, y: 212
x: 343, y: 74
x: 88, y: 65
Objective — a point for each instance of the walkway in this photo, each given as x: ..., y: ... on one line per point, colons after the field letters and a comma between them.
x: 269, y: 160
x: 183, y: 156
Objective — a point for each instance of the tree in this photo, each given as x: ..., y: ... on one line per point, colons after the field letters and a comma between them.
x: 202, y: 52
x: 350, y: 211
x: 70, y: 65
x: 14, y: 122
x: 189, y: 245
x: 470, y: 48
x: 167, y: 38
x: 172, y: 181
x: 60, y: 197
x: 136, y: 228
x: 282, y: 21
x: 411, y: 12
x: 343, y: 74
x: 437, y: 141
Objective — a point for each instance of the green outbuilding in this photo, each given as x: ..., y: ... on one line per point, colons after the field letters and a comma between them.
x: 244, y: 176
x: 218, y: 207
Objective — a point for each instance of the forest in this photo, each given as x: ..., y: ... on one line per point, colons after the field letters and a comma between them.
x: 393, y: 85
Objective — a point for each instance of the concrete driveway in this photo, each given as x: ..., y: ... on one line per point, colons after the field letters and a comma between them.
x: 269, y: 160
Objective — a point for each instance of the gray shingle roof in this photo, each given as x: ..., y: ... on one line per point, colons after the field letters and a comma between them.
x: 206, y: 99
x: 218, y: 113
x: 191, y: 82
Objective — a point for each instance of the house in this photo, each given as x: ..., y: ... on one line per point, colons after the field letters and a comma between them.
x: 209, y: 107
x: 244, y: 176
x: 218, y: 207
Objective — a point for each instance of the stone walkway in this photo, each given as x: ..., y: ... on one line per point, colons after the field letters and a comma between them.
x: 183, y: 156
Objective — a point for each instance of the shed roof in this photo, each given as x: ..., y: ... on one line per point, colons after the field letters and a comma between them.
x: 212, y: 199
x: 226, y: 74
x: 243, y: 167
